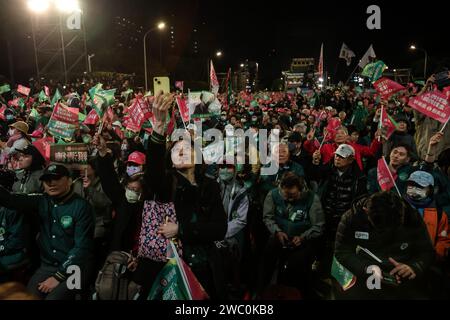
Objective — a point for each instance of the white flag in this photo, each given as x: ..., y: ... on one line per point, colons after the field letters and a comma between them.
x: 346, y: 54
x: 365, y: 59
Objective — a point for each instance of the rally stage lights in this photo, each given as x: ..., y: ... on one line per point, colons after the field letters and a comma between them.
x: 38, y: 5
x: 66, y: 6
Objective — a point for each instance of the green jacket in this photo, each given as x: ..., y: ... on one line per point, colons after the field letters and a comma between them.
x: 12, y: 239
x: 66, y: 228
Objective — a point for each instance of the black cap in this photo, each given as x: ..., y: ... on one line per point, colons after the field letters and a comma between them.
x: 55, y: 171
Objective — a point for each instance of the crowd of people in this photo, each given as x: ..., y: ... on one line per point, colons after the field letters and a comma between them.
x: 245, y: 235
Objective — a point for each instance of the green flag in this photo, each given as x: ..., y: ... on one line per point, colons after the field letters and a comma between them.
x: 168, y: 284
x: 374, y: 70
x: 43, y: 97
x: 345, y: 278
x: 5, y: 88
x: 81, y: 117
x: 125, y: 94
x: 102, y: 100
x: 94, y: 90
x: 56, y: 98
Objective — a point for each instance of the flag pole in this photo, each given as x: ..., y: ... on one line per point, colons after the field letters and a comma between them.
x: 392, y: 177
x: 380, y: 125
x: 180, y: 267
x: 351, y: 74
x: 445, y: 125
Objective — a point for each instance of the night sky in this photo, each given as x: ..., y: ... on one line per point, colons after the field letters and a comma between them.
x: 270, y: 33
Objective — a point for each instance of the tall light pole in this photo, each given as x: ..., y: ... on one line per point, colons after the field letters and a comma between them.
x: 160, y: 26
x: 90, y: 56
x: 413, y: 47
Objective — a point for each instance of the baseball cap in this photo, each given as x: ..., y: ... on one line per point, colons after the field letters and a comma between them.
x: 345, y: 151
x: 55, y: 171
x: 137, y: 157
x: 422, y: 178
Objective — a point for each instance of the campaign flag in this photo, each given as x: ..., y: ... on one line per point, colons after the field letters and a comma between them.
x: 43, y: 97
x: 365, y: 60
x: 387, y: 124
x: 56, y: 97
x: 94, y: 90
x: 384, y: 176
x: 331, y: 128
x: 43, y: 146
x: 374, y: 70
x: 386, y: 87
x: 184, y: 110
x: 321, y: 62
x: 213, y: 79
x: 343, y: 276
x: 137, y: 113
x: 92, y: 118
x: 176, y: 281
x: 5, y: 88
x: 103, y: 99
x: 63, y: 122
x: 432, y: 104
x: 179, y: 85
x: 346, y: 54
x: 23, y: 90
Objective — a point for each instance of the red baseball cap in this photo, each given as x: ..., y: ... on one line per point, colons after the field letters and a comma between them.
x: 137, y: 157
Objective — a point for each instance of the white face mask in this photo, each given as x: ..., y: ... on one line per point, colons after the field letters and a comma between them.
x: 416, y: 193
x: 11, y: 132
x: 132, y: 196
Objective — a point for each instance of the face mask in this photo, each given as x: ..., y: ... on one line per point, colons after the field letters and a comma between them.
x: 251, y: 113
x: 123, y: 147
x: 276, y: 132
x: 243, y: 120
x: 132, y: 196
x: 131, y: 170
x: 9, y: 117
x: 254, y: 119
x: 224, y: 118
x: 225, y: 175
x: 11, y: 132
x: 416, y: 193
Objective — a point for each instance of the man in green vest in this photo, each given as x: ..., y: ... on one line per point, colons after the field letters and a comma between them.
x: 294, y: 217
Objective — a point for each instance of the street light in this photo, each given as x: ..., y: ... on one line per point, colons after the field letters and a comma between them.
x: 218, y: 53
x: 160, y: 26
x: 242, y: 65
x: 38, y: 6
x: 413, y: 47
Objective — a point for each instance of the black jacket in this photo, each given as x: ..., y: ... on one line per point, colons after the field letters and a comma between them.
x: 200, y: 213
x: 338, y: 192
x: 128, y: 216
x: 409, y: 243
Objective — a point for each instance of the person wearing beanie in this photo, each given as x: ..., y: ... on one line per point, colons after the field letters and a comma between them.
x: 31, y: 163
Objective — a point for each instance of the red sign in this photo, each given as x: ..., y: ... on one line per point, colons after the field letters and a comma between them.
x: 23, y: 90
x: 65, y: 114
x: 432, y: 104
x: 386, y: 87
x: 446, y: 91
